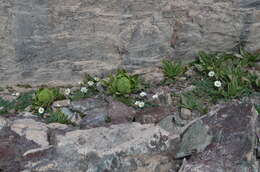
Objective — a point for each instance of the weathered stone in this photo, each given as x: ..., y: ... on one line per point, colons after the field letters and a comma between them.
x: 61, y: 103
x: 94, y: 120
x: 151, y: 115
x: 152, y: 75
x: 3, y: 122
x: 12, y: 148
x: 155, y: 163
x: 55, y: 42
x: 258, y: 127
x: 125, y: 147
x: 57, y: 126
x: 28, y: 115
x: 186, y: 114
x: 119, y: 112
x: 67, y: 112
x: 90, y: 106
x: 233, y: 143
x: 72, y: 116
x: 167, y: 124
x: 32, y: 130
x: 195, y: 139
x: 36, y: 151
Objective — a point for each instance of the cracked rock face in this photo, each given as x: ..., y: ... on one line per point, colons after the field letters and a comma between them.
x: 233, y: 139
x: 221, y: 141
x: 31, y: 130
x: 124, y: 147
x: 52, y: 40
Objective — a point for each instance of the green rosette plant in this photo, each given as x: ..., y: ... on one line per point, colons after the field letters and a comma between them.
x: 122, y: 83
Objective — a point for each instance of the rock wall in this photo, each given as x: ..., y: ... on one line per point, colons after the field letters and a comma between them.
x: 58, y: 40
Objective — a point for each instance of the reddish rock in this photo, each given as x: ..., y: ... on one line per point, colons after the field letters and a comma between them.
x: 151, y: 115
x: 232, y: 130
x: 119, y: 112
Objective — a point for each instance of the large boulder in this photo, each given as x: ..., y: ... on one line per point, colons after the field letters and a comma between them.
x: 52, y: 40
x: 31, y: 130
x: 223, y: 141
x: 124, y: 147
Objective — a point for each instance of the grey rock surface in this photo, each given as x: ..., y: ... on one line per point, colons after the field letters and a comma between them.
x: 167, y: 123
x: 185, y: 114
x: 125, y: 147
x: 72, y: 116
x: 221, y: 141
x: 55, y: 42
x: 194, y: 140
x: 232, y: 145
x: 89, y: 106
x: 31, y: 130
x: 118, y: 112
x: 12, y: 149
x: 94, y: 120
x: 3, y: 122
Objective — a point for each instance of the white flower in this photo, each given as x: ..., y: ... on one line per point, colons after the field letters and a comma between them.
x: 155, y: 96
x: 16, y: 94
x: 90, y: 83
x: 41, y: 110
x: 141, y: 104
x: 67, y: 92
x: 217, y: 84
x: 84, y: 90
x: 80, y: 82
x: 143, y: 94
x: 211, y: 74
x: 137, y: 103
x: 96, y: 79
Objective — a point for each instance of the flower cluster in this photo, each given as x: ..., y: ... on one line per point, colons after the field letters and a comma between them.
x: 217, y: 84
x: 67, y: 92
x: 91, y: 83
x: 84, y: 89
x: 16, y: 94
x: 142, y: 95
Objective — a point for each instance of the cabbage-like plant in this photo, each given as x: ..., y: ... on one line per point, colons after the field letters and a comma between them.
x: 44, y: 97
x: 122, y: 83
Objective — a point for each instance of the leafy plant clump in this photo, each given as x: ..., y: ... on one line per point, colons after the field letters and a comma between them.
x: 19, y: 104
x: 23, y: 101
x: 88, y: 88
x: 44, y: 97
x: 58, y: 117
x: 172, y: 70
x: 4, y: 106
x: 122, y: 83
x: 192, y: 102
x: 226, y: 75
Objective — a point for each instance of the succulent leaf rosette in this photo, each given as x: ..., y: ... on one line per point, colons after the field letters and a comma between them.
x: 122, y: 83
x: 44, y: 97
